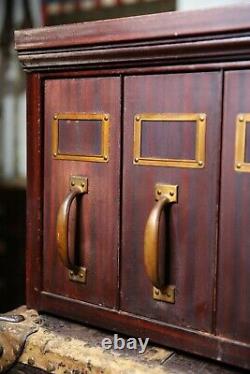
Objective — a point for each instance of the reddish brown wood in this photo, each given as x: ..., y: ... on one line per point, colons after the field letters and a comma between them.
x: 234, y: 261
x: 200, y: 343
x: 192, y: 222
x: 98, y: 210
x: 182, y: 51
x: 174, y: 45
x: 34, y: 218
x: 151, y: 27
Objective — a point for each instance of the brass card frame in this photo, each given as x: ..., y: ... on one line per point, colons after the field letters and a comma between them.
x: 240, y: 143
x: 105, y: 127
x: 200, y: 141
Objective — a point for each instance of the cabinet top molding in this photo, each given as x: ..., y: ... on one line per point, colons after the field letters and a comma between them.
x: 170, y: 36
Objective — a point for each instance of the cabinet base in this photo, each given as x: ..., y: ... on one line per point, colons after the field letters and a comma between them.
x: 196, y: 342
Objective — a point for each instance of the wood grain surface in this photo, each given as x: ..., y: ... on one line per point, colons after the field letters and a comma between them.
x: 234, y: 261
x: 97, y: 214
x: 172, y: 25
x: 191, y: 223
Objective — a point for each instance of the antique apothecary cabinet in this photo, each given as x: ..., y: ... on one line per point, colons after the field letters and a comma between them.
x: 139, y: 177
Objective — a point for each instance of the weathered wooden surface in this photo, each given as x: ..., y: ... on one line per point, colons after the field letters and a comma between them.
x: 61, y: 346
x: 13, y: 336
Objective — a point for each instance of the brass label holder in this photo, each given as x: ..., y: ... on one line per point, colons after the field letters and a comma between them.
x: 80, y: 273
x: 105, y: 126
x: 166, y: 294
x: 240, y: 164
x: 200, y: 139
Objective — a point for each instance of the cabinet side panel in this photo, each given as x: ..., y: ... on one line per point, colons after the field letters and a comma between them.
x: 233, y: 297
x: 189, y: 231
x: 34, y: 191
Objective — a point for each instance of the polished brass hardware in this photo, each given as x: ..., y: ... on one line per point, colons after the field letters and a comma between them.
x: 199, y: 118
x: 80, y: 275
x: 166, y: 294
x: 78, y: 186
x: 105, y: 125
x: 164, y: 194
x: 240, y: 164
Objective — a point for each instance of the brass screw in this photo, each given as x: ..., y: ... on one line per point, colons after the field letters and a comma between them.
x: 137, y: 118
x: 200, y: 163
x: 106, y: 118
x: 171, y: 193
x: 54, y: 154
x: 136, y: 159
x: 81, y: 275
x: 241, y: 118
x: 158, y: 192
x: 71, y: 273
x: 82, y: 184
x: 157, y: 292
x: 55, y: 116
x: 202, y: 117
x: 72, y: 183
x: 238, y: 166
x: 105, y: 158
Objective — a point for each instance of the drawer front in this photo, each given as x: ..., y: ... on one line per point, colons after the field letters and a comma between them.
x: 81, y: 230
x: 233, y: 296
x: 172, y: 130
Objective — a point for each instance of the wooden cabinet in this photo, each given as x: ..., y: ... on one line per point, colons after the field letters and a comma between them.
x: 138, y: 177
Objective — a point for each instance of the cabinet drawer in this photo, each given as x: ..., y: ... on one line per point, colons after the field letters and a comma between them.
x: 188, y: 230
x: 82, y: 138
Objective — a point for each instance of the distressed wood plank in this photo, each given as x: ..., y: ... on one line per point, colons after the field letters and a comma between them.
x: 62, y: 347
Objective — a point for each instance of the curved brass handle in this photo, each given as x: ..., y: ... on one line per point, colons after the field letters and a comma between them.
x: 165, y: 194
x: 151, y: 245
x: 78, y: 186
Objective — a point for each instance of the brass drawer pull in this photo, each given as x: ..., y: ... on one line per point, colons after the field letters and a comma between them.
x: 164, y: 194
x: 78, y: 186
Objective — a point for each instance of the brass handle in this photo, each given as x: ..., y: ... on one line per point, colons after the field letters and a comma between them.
x: 165, y: 194
x: 151, y: 246
x: 78, y: 185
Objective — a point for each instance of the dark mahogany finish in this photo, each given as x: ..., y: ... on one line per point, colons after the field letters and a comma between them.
x: 234, y: 250
x: 97, y: 212
x: 192, y: 222
x: 177, y: 62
